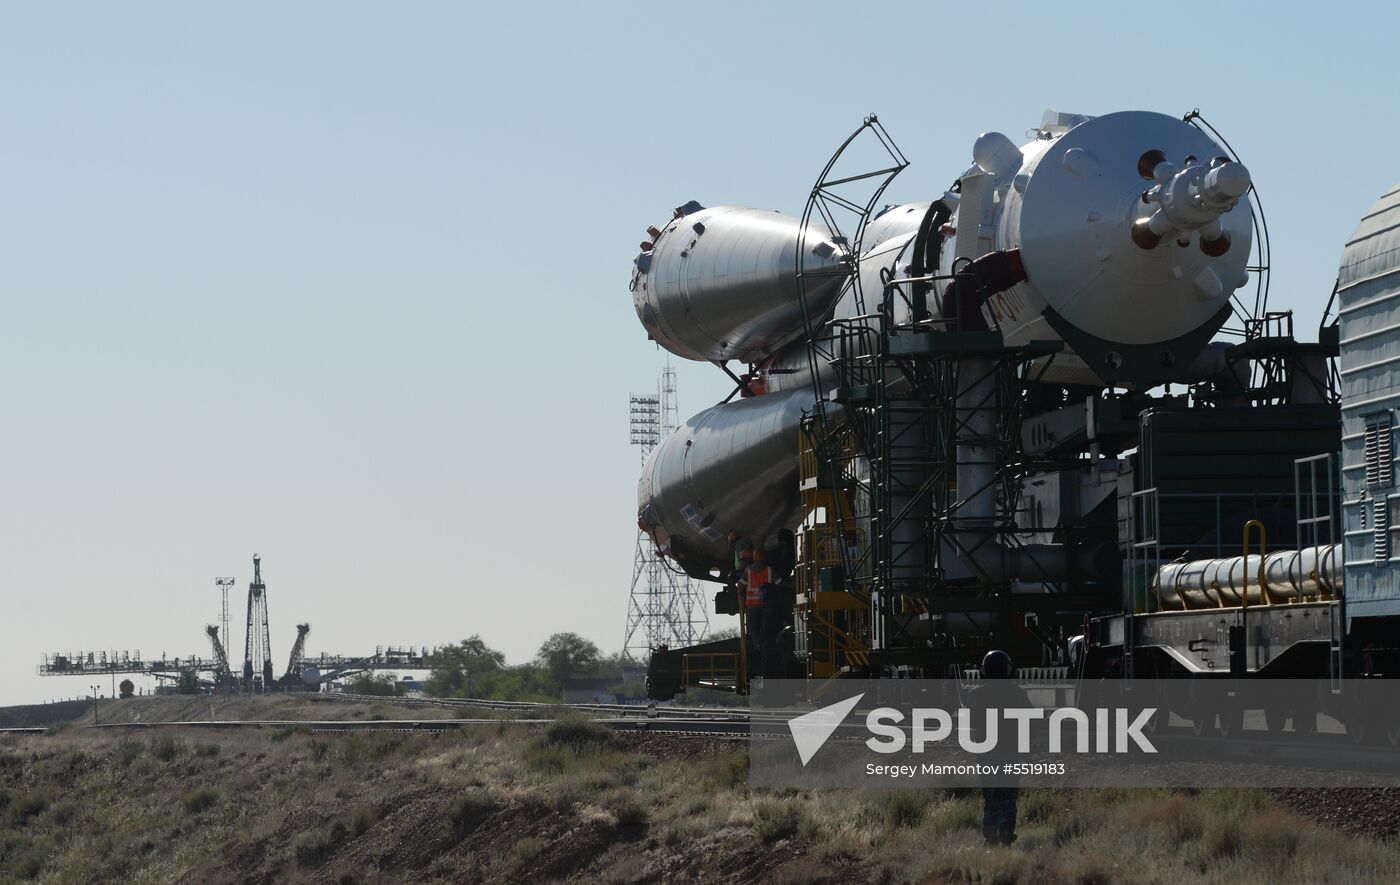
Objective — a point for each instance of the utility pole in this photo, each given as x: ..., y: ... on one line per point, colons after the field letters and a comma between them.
x: 94, y: 704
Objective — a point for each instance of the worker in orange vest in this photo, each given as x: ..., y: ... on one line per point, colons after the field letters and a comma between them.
x: 756, y: 577
x: 777, y: 601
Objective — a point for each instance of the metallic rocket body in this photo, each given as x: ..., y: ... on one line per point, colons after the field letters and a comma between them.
x: 732, y: 467
x: 721, y: 284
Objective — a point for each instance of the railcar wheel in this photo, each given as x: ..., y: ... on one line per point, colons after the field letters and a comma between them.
x: 1364, y: 727
x: 1204, y: 704
x: 1229, y: 719
x: 1392, y: 728
x: 1204, y: 716
x: 1155, y: 695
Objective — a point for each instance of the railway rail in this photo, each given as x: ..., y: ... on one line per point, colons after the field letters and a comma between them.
x: 682, y: 726
x: 1255, y: 746
x: 617, y: 710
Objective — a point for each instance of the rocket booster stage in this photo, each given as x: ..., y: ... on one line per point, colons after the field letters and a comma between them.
x: 1133, y: 229
x: 721, y: 284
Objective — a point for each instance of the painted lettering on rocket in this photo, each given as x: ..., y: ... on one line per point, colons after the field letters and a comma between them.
x: 1006, y: 306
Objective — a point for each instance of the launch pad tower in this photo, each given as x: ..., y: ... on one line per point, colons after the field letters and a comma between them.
x: 257, y: 655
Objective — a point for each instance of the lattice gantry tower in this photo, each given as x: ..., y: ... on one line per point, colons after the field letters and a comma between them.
x: 257, y: 654
x: 665, y: 607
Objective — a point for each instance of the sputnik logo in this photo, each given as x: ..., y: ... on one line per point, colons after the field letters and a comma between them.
x: 811, y: 730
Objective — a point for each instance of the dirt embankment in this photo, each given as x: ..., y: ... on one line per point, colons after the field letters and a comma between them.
x: 204, y: 708
x: 33, y: 715
x: 571, y: 801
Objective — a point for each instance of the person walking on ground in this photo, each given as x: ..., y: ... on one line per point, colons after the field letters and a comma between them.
x: 1000, y: 790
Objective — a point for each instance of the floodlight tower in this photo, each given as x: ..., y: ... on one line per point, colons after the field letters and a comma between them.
x: 224, y: 585
x: 665, y: 607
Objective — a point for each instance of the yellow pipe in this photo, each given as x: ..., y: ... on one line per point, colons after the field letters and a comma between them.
x: 741, y: 678
x: 1176, y: 587
x: 1264, y: 595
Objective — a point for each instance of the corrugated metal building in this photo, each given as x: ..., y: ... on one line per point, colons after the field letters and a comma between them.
x: 1369, y: 310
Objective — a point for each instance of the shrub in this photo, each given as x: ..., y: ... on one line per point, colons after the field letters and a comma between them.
x: 1272, y: 836
x: 63, y: 811
x: 468, y: 812
x: 522, y: 852
x: 904, y: 808
x: 566, y: 743
x: 26, y: 807
x: 566, y: 795
x: 579, y: 736
x: 628, y: 812
x: 363, y: 818
x: 777, y: 820
x: 958, y: 814
x: 282, y: 732
x: 1223, y: 840
x: 313, y: 849
x: 166, y: 747
x: 372, y: 747
x: 127, y: 751
x: 1233, y: 802
x: 1177, y: 815
x: 550, y: 759
x: 1092, y: 868
x: 1037, y: 806
x: 30, y: 864
x: 731, y: 772
x: 199, y: 799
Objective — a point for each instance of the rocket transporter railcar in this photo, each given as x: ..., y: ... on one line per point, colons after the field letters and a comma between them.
x: 1038, y: 413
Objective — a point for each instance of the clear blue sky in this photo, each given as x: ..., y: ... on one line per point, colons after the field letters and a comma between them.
x: 345, y: 284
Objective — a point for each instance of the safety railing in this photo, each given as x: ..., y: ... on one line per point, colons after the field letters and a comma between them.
x: 1164, y: 527
x: 710, y: 669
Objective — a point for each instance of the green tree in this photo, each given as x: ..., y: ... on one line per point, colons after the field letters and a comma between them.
x: 373, y: 683
x: 464, y: 668
x: 568, y: 654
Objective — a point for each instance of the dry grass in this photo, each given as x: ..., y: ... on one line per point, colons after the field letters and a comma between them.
x: 521, y: 803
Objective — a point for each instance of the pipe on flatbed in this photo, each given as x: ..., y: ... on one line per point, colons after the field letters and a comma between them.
x: 1289, y: 576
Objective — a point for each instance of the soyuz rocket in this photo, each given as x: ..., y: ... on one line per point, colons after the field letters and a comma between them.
x: 1121, y: 236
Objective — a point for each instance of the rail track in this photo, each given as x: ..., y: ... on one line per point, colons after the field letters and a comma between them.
x: 709, y: 722
x: 620, y: 711
x: 695, y: 726
x: 691, y: 721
